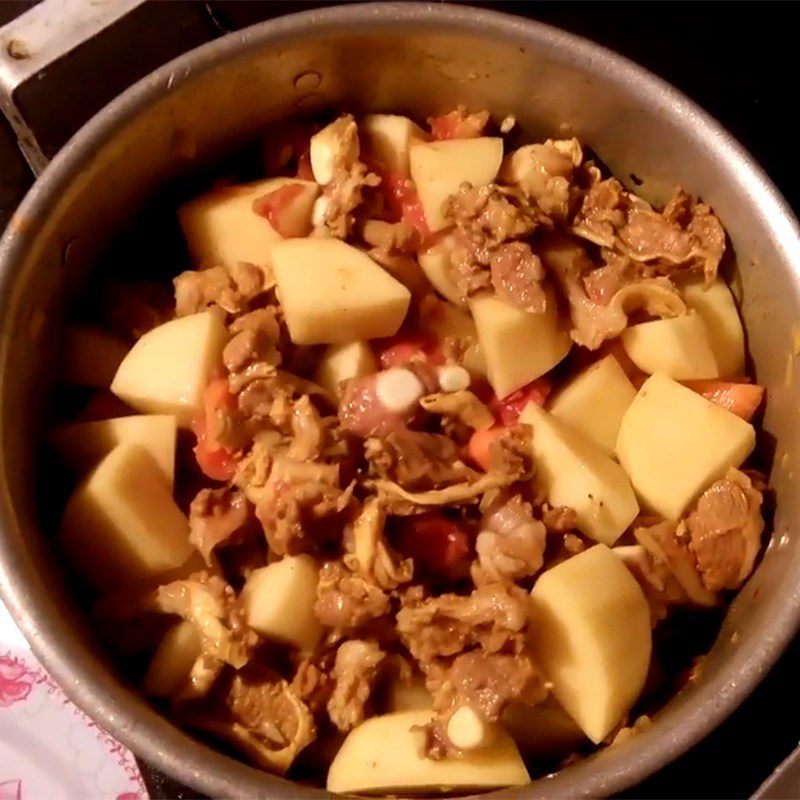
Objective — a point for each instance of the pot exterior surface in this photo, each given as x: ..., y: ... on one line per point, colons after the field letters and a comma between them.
x: 417, y: 59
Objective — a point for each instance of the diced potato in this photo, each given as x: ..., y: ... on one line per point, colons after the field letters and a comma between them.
x: 718, y: 311
x: 673, y: 443
x: 121, y: 524
x: 336, y: 144
x: 389, y: 138
x: 168, y: 369
x: 592, y: 637
x: 573, y: 471
x: 439, y: 168
x: 383, y: 755
x: 413, y: 696
x: 518, y: 346
x: 332, y: 293
x: 279, y: 601
x: 342, y: 362
x: 435, y: 263
x: 544, y: 731
x: 445, y: 321
x: 91, y: 356
x: 595, y: 401
x: 221, y: 227
x: 172, y: 661
x: 82, y: 444
x: 679, y: 347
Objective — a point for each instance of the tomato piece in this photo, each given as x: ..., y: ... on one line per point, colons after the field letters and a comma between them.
x: 406, y: 346
x: 402, y: 200
x: 479, y: 446
x: 742, y: 399
x: 435, y: 542
x: 304, y: 172
x: 218, y: 464
x: 215, y: 461
x: 458, y: 125
x: 508, y: 409
x: 275, y: 207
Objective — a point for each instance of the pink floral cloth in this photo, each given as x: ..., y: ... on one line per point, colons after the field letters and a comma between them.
x: 49, y: 749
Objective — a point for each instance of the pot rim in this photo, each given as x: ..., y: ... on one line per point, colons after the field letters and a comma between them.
x: 129, y: 717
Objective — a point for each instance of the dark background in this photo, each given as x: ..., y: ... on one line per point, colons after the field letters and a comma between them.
x: 736, y: 59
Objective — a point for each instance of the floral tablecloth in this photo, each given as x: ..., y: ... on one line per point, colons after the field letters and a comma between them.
x: 50, y: 749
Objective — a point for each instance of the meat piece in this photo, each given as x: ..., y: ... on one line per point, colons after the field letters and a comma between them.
x: 404, y: 268
x: 493, y: 617
x: 255, y: 339
x: 355, y: 673
x: 416, y: 460
x: 560, y: 519
x: 517, y: 276
x: 308, y: 432
x: 458, y: 124
x: 313, y: 682
x: 685, y: 237
x: 462, y: 406
x: 346, y: 601
x: 725, y: 529
x: 363, y: 414
x: 510, y: 454
x: 230, y: 288
x: 510, y: 544
x: 217, y: 516
x: 369, y: 554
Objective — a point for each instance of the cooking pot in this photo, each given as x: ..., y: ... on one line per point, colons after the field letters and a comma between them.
x: 418, y: 59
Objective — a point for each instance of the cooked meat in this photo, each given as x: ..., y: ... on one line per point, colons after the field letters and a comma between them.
x: 510, y: 454
x: 313, y: 682
x: 255, y: 339
x: 308, y: 432
x: 458, y: 124
x: 230, y: 288
x: 217, y: 516
x: 461, y: 407
x: 346, y: 601
x: 493, y: 617
x: 354, y: 674
x: 517, y: 275
x: 725, y: 530
x: 363, y: 414
x: 561, y: 519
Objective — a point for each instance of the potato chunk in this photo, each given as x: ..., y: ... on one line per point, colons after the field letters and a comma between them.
x: 342, y: 362
x: 446, y: 321
x: 679, y: 347
x: 168, y: 369
x: 439, y: 168
x: 673, y: 443
x: 121, y: 524
x: 82, y: 444
x: 518, y: 346
x: 592, y: 637
x: 383, y: 755
x: 221, y: 227
x: 717, y: 309
x: 435, y: 263
x: 389, y: 138
x: 279, y: 601
x: 595, y: 401
x: 573, y: 471
x: 172, y: 661
x: 91, y: 356
x: 333, y: 293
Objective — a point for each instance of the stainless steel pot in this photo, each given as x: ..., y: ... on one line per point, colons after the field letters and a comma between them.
x: 419, y: 59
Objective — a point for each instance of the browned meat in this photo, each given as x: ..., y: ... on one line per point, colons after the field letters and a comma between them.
x: 308, y: 431
x: 560, y: 519
x: 493, y: 617
x: 461, y: 413
x: 217, y: 516
x: 510, y: 454
x: 354, y: 672
x: 363, y: 414
x: 517, y: 276
x: 255, y: 339
x: 458, y: 124
x: 404, y: 268
x: 510, y: 544
x: 346, y: 601
x: 229, y: 288
x: 686, y: 236
x: 725, y: 529
x: 312, y: 681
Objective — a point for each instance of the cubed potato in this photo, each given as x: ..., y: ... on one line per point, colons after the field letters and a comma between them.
x: 592, y: 637
x: 435, y: 263
x: 445, y: 321
x: 168, y: 369
x: 518, y: 346
x: 389, y: 138
x: 573, y: 471
x: 439, y: 168
x: 544, y: 731
x: 411, y: 696
x: 595, y: 401
x: 673, y: 443
x: 717, y: 309
x: 172, y: 661
x: 121, y: 524
x: 382, y: 755
x: 221, y: 227
x: 91, y: 356
x: 343, y: 362
x: 335, y: 145
x: 679, y: 347
x: 82, y: 444
x: 279, y: 602
x: 332, y: 293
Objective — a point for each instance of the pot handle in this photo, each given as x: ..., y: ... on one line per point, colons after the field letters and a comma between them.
x: 34, y: 41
